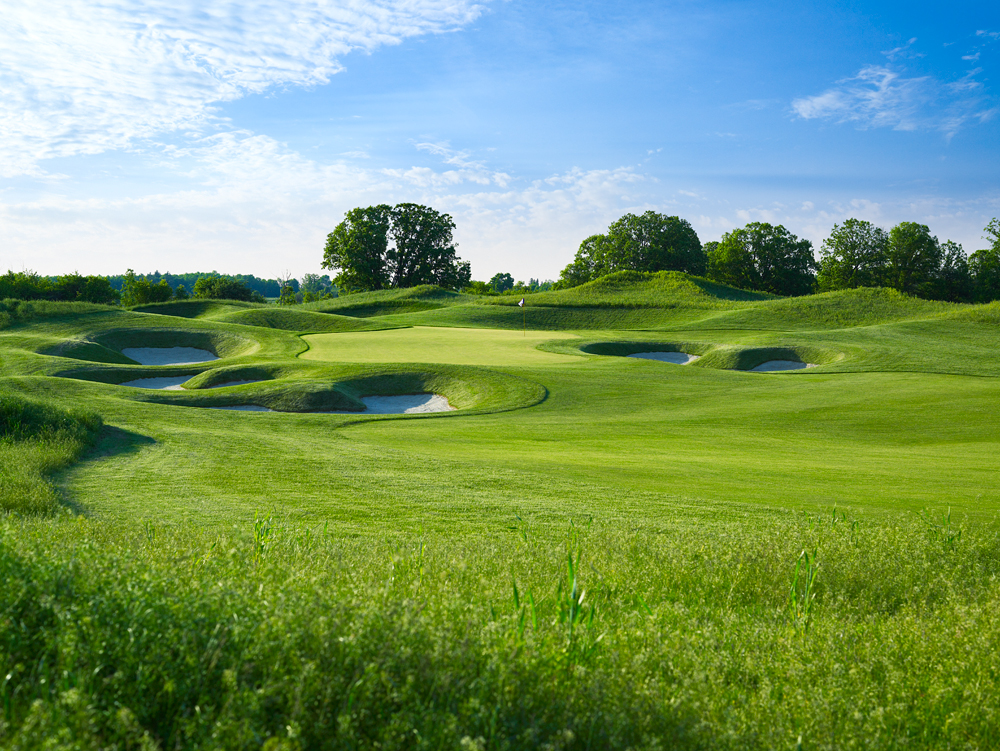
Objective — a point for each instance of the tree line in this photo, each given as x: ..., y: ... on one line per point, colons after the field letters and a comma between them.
x: 130, y: 289
x: 768, y: 258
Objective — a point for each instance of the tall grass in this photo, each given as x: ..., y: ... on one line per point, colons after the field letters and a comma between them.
x: 14, y: 312
x: 36, y: 440
x: 155, y: 636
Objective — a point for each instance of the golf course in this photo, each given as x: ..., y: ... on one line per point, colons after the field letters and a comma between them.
x: 220, y: 529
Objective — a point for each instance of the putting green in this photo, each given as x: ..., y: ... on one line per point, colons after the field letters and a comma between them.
x: 453, y: 346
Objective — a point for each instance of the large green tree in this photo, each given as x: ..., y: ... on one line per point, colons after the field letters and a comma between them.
x: 646, y: 242
x: 913, y: 259
x: 764, y: 257
x: 984, y: 266
x: 138, y: 290
x: 854, y: 255
x: 225, y: 288
x: 383, y: 247
x: 953, y: 279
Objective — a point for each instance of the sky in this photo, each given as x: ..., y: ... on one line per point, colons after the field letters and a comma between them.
x: 233, y: 135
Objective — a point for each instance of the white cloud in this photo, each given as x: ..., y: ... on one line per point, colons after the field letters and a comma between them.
x: 904, y: 51
x: 884, y: 96
x: 469, y: 170
x: 85, y: 76
x: 876, y: 97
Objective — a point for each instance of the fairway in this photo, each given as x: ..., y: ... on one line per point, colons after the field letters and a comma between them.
x: 456, y: 346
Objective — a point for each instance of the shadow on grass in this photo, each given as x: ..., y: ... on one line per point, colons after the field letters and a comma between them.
x: 111, y: 442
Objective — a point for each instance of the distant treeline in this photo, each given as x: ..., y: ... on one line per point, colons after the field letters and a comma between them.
x: 769, y: 258
x: 504, y: 284
x: 263, y: 287
x: 130, y: 289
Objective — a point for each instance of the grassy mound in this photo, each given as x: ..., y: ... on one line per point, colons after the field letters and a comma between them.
x: 312, y: 389
x: 81, y: 349
x: 15, y: 312
x: 832, y: 310
x: 37, y: 439
x: 388, y: 301
x: 197, y: 308
x: 547, y: 318
x: 294, y: 319
x: 747, y: 358
x: 639, y: 289
x: 217, y: 341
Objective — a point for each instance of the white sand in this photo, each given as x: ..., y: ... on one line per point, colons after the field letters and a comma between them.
x: 168, y: 355
x: 408, y: 404
x: 774, y: 365
x: 165, y: 384
x: 677, y: 358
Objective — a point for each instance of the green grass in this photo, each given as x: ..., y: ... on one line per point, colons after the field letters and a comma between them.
x: 489, y: 347
x: 408, y: 582
x: 36, y: 440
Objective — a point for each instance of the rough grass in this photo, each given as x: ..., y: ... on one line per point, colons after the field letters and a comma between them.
x: 36, y: 440
x: 703, y: 635
x: 15, y: 312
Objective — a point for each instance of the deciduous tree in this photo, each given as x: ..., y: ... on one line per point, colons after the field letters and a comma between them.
x: 223, y: 288
x: 647, y: 242
x: 984, y: 266
x: 913, y: 259
x: 854, y: 255
x: 382, y: 247
x: 764, y: 257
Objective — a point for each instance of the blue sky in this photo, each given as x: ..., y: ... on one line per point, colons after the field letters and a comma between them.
x: 234, y: 135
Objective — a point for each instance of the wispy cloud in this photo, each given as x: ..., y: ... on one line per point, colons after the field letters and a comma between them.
x: 466, y: 169
x: 905, y: 51
x: 82, y: 76
x: 885, y: 96
x: 876, y: 97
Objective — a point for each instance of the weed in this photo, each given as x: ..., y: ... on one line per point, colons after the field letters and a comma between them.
x: 942, y: 531
x: 802, y: 593
x: 263, y: 530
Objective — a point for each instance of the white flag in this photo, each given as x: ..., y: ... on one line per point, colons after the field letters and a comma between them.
x: 521, y: 304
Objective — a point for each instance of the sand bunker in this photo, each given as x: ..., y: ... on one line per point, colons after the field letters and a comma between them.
x: 774, y: 365
x: 173, y: 383
x: 677, y: 358
x: 168, y: 355
x: 164, y: 384
x: 408, y: 404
